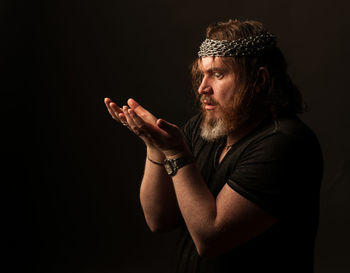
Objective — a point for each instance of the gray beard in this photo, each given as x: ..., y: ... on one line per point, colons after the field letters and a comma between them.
x: 213, y: 129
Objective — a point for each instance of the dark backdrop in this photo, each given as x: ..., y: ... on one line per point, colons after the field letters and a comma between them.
x: 71, y: 175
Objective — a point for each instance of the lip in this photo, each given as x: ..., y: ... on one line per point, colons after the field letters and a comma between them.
x: 207, y: 105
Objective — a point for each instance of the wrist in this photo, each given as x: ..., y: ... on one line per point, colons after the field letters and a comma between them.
x: 176, y: 153
x: 172, y: 165
x: 155, y: 155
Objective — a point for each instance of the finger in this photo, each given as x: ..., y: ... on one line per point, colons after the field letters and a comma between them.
x: 166, y: 126
x: 129, y: 120
x: 117, y: 111
x: 133, y: 104
x: 122, y: 118
x: 113, y: 112
x: 138, y: 126
x: 148, y: 132
x: 110, y: 110
x: 140, y: 111
x: 115, y: 108
x: 137, y: 120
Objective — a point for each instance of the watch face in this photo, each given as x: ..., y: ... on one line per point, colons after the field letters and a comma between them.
x: 168, y: 167
x: 173, y: 165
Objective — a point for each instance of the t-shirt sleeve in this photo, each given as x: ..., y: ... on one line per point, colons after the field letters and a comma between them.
x: 267, y: 172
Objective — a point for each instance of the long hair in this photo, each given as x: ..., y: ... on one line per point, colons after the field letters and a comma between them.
x: 280, y: 96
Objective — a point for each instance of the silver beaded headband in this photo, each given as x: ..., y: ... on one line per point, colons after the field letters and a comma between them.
x: 251, y: 46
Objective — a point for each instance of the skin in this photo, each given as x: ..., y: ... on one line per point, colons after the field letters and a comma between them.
x: 217, y: 90
x: 219, y: 78
x: 216, y: 224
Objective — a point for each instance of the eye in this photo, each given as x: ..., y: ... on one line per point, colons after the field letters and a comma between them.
x: 218, y: 75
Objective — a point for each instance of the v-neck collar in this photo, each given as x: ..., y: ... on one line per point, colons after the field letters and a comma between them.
x: 221, y: 144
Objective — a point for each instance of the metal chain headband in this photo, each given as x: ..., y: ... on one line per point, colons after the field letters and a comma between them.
x: 251, y: 46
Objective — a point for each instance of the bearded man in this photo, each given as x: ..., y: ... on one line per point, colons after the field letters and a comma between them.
x: 241, y: 179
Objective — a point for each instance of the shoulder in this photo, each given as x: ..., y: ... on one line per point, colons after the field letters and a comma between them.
x: 294, y: 128
x: 281, y: 146
x: 279, y: 154
x: 284, y: 132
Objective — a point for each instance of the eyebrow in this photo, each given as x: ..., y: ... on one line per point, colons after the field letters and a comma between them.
x: 213, y: 69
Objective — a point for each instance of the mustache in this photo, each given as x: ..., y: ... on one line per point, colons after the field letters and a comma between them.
x: 208, y: 100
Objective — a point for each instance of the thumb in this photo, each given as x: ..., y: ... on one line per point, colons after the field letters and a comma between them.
x: 166, y: 126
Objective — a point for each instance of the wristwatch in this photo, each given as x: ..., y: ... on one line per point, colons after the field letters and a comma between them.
x: 173, y: 165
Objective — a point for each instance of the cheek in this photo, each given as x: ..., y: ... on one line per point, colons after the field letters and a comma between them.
x: 225, y: 94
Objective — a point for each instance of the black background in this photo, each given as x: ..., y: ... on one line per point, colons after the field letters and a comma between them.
x: 71, y: 175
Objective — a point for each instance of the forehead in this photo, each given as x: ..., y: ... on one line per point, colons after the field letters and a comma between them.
x: 213, y: 63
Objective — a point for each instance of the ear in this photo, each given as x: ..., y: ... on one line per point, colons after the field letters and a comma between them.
x: 263, y: 77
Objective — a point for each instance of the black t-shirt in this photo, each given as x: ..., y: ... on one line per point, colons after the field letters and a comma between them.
x: 277, y: 166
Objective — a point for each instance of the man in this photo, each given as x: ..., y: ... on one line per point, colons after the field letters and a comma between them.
x: 242, y: 178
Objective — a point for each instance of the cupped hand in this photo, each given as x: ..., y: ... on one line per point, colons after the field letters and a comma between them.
x: 138, y: 124
x: 114, y: 110
x: 117, y: 113
x: 156, y: 133
x: 164, y: 136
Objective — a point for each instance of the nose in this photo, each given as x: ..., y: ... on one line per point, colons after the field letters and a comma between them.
x: 205, y: 87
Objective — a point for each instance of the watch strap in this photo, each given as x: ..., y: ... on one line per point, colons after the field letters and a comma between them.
x: 173, y: 165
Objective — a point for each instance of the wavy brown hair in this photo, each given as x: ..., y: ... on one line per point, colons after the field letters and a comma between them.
x: 280, y: 96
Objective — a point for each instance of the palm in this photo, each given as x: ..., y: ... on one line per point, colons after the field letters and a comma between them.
x: 153, y: 133
x: 156, y: 133
x: 142, y: 112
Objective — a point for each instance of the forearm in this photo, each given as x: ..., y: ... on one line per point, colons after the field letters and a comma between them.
x: 157, y: 195
x: 197, y: 205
